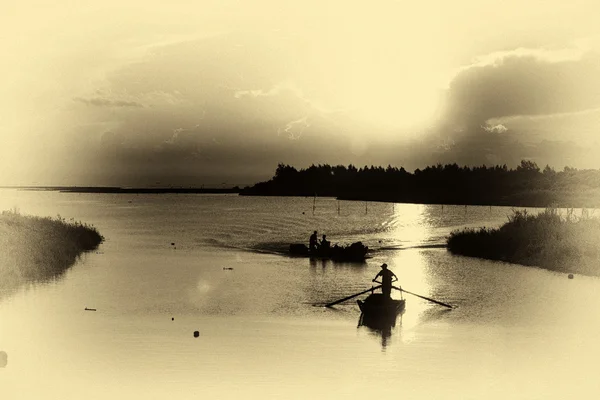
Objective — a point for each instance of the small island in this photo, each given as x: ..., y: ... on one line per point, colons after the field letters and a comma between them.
x: 36, y: 249
x: 568, y: 244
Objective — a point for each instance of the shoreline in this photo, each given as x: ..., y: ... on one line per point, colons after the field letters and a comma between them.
x: 241, y: 192
x: 121, y: 190
x: 37, y: 249
x: 432, y: 203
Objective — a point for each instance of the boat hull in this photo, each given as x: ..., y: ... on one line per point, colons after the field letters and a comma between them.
x: 376, y: 304
x: 380, y: 314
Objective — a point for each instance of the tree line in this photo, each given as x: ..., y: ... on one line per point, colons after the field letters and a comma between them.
x: 525, y: 185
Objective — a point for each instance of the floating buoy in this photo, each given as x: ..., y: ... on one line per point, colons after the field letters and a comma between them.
x: 196, y: 333
x: 172, y: 319
x: 570, y: 276
x: 172, y: 244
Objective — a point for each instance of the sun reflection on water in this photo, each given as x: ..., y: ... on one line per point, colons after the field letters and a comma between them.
x: 409, y: 225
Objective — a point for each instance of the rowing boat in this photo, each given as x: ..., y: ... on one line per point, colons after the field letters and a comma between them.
x: 379, y: 313
x: 356, y: 252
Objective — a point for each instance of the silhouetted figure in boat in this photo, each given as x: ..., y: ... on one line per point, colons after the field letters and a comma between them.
x: 324, y: 244
x: 313, y: 242
x: 387, y: 277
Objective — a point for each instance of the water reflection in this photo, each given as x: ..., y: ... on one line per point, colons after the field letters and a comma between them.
x: 51, y: 270
x: 12, y: 282
x: 322, y: 263
x: 314, y: 263
x: 381, y: 325
x: 411, y: 224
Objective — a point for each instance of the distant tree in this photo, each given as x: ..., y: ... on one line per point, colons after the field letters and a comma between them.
x: 284, y: 171
x: 528, y: 166
x: 549, y: 172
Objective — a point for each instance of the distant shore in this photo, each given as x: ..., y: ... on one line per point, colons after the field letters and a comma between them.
x: 40, y: 249
x: 564, y: 244
x: 116, y: 189
x: 525, y: 186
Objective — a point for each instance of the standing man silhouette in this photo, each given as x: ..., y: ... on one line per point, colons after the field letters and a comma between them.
x: 387, y: 277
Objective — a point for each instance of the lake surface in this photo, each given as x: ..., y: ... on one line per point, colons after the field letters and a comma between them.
x: 516, y: 332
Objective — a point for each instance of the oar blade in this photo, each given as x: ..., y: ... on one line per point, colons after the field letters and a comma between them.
x: 423, y: 297
x: 349, y: 297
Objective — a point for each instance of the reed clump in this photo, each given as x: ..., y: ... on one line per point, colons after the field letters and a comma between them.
x: 563, y: 243
x: 40, y: 249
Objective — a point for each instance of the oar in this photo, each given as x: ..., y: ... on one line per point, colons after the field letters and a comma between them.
x: 349, y: 297
x: 423, y: 297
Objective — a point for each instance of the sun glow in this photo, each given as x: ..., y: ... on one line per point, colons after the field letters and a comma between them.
x: 405, y: 99
x: 412, y: 110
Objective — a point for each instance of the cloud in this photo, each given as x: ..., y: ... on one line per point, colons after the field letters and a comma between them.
x: 522, y: 103
x: 104, y: 102
x: 495, y: 148
x: 111, y: 139
x: 499, y: 128
x: 278, y: 89
x: 574, y: 53
x: 253, y: 93
x: 524, y: 82
x: 295, y: 129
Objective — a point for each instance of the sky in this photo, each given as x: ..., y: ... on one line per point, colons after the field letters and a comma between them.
x: 217, y: 93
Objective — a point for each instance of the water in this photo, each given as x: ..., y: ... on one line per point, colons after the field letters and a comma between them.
x: 516, y: 332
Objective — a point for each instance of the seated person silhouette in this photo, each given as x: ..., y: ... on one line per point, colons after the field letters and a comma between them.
x: 312, y: 243
x: 324, y: 244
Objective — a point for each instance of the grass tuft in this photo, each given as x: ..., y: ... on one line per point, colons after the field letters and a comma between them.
x: 548, y: 240
x: 40, y: 248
